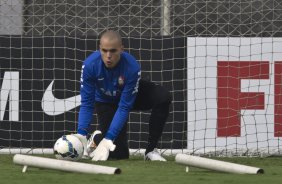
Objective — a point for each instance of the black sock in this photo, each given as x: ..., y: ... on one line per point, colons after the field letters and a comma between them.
x: 151, y: 146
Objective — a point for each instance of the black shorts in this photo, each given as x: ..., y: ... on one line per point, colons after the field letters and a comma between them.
x: 149, y: 94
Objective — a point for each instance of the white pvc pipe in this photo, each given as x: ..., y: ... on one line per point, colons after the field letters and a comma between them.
x: 63, y: 165
x: 165, y: 30
x: 216, y: 165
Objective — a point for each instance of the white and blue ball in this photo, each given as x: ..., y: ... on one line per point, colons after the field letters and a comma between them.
x: 68, y: 147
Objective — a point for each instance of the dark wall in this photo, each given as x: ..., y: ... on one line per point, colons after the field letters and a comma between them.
x: 40, y: 60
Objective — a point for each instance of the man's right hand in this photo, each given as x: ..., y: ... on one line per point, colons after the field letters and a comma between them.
x: 92, y: 143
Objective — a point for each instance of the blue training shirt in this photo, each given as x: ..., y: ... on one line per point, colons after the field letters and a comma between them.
x: 111, y: 85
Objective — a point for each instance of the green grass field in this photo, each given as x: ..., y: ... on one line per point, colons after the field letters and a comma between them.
x: 136, y: 171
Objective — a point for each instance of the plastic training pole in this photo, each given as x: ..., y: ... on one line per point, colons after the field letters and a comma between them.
x: 216, y: 165
x: 63, y: 165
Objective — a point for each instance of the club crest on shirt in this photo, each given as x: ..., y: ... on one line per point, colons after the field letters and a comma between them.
x: 121, y: 81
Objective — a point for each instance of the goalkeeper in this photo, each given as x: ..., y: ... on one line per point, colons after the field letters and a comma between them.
x: 110, y: 81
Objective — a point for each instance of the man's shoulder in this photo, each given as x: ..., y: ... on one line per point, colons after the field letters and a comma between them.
x: 128, y: 56
x: 93, y: 58
x: 131, y: 61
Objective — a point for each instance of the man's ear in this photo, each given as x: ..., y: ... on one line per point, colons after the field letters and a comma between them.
x: 121, y: 48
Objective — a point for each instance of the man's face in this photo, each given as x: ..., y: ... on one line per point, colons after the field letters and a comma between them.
x: 110, y: 50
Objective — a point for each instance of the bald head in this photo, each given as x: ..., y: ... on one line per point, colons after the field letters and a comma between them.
x: 111, y: 36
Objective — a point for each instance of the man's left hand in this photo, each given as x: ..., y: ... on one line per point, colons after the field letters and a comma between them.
x: 103, y: 150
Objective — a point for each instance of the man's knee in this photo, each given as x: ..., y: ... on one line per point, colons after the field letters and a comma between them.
x: 122, y: 150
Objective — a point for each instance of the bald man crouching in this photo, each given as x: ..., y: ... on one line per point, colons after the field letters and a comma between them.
x: 110, y: 82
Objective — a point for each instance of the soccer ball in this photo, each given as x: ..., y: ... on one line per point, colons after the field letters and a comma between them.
x: 68, y: 147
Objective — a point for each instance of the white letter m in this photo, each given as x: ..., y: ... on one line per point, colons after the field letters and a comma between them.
x: 10, y: 89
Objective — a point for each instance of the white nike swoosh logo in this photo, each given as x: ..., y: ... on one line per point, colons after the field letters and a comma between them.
x: 54, y: 106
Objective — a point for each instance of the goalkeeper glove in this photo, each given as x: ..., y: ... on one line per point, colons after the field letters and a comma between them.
x: 103, y: 150
x: 83, y: 139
